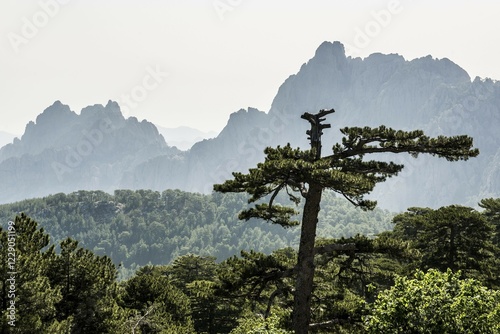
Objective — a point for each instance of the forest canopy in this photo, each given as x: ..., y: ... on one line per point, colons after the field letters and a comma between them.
x: 71, y: 289
x: 136, y: 228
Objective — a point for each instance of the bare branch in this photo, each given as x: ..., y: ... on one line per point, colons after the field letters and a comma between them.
x: 324, y: 112
x: 329, y: 323
x: 151, y: 309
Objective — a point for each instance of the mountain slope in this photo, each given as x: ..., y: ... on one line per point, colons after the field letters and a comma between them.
x: 435, y: 95
x: 63, y: 151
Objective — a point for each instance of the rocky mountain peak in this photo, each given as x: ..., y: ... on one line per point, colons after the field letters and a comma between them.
x: 242, y: 121
x: 56, y: 112
x: 97, y: 111
x: 329, y: 52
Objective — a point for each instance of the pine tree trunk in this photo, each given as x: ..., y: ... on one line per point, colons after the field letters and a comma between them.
x: 305, y: 263
x: 452, y: 252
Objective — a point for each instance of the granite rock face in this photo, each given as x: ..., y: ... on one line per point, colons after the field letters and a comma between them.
x: 434, y: 95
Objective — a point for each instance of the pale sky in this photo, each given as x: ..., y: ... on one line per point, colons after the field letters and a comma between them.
x: 193, y: 62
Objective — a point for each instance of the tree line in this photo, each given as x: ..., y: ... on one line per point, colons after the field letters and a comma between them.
x: 436, y: 271
x: 136, y: 228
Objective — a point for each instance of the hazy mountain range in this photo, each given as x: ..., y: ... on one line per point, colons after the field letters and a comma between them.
x: 182, y: 137
x: 100, y: 149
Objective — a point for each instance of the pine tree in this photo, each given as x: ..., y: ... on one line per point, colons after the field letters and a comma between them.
x: 87, y: 283
x: 491, y: 208
x: 306, y: 173
x: 452, y: 237
x: 25, y: 263
x: 157, y: 305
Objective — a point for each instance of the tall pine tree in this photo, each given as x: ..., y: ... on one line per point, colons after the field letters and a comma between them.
x: 88, y: 286
x: 28, y: 300
x: 307, y: 173
x: 452, y: 237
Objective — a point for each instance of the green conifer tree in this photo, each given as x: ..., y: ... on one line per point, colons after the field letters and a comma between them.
x: 156, y: 305
x: 452, y: 237
x: 307, y: 173
x: 26, y: 293
x: 491, y: 208
x: 88, y: 287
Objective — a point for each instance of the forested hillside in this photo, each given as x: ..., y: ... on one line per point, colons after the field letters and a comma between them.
x: 135, y: 228
x: 416, y: 277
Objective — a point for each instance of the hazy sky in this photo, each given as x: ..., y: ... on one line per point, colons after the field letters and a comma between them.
x: 193, y: 63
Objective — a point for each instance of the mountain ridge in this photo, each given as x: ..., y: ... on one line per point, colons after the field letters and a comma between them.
x: 62, y: 151
x: 435, y: 95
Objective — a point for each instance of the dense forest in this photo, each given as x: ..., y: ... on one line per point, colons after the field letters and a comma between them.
x: 436, y: 271
x: 136, y: 228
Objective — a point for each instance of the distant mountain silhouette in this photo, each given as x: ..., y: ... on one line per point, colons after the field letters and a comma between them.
x: 63, y: 151
x: 435, y: 95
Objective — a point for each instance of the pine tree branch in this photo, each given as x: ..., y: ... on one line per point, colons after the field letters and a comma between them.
x: 391, y: 141
x: 270, y: 302
x: 275, y: 193
x: 349, y: 199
